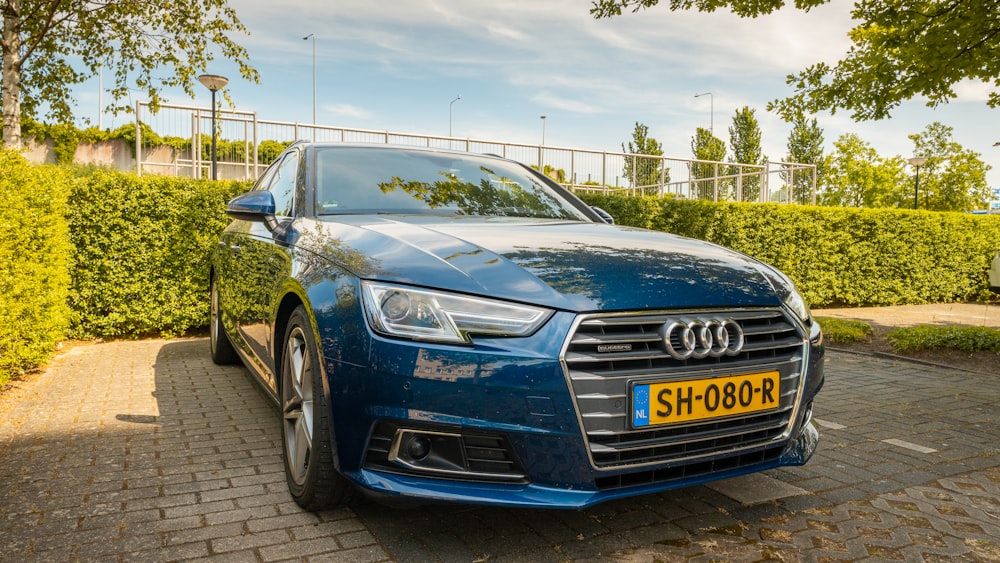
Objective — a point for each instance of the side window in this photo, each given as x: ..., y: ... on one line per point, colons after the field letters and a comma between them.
x: 283, y: 185
x: 265, y: 178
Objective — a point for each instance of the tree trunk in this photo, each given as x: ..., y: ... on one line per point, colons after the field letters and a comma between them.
x: 11, y: 40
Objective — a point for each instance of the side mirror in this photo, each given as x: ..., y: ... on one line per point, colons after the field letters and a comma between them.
x: 257, y: 206
x: 604, y: 215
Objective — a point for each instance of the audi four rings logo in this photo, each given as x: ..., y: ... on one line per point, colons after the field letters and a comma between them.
x: 702, y: 338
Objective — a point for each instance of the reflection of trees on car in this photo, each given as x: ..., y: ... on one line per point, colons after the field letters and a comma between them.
x: 580, y: 270
x: 328, y: 262
x: 325, y: 247
x: 242, y: 294
x: 492, y: 196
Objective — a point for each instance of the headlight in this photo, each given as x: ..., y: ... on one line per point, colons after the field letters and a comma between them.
x: 422, y: 314
x: 789, y: 295
x: 798, y: 305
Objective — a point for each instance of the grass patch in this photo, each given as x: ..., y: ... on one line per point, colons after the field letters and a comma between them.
x: 844, y: 331
x: 928, y: 337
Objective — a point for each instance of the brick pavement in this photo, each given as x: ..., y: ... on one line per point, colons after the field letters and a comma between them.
x: 142, y: 451
x: 146, y: 451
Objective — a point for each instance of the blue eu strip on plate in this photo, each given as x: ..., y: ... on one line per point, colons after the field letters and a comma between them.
x: 640, y: 405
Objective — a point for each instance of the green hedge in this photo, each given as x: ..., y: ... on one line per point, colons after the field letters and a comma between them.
x: 35, y: 257
x: 927, y: 337
x: 142, y: 251
x: 838, y: 256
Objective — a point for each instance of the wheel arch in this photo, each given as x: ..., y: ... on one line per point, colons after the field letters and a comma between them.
x: 284, y: 312
x: 289, y: 303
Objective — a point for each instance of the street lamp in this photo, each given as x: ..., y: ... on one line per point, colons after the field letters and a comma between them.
x: 711, y: 105
x: 917, y: 162
x: 457, y: 98
x: 213, y: 82
x: 306, y: 38
x: 543, y: 129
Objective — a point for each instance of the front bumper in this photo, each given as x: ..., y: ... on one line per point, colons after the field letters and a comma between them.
x: 391, y: 487
x: 508, y: 422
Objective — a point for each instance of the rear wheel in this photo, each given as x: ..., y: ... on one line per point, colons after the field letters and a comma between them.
x: 306, y: 433
x: 223, y: 352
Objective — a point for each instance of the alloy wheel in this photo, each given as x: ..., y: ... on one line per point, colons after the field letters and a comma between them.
x: 297, y: 405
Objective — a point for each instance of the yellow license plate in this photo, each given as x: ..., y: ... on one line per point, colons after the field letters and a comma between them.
x: 700, y: 399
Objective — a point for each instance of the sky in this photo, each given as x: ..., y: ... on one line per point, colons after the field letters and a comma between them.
x: 398, y: 65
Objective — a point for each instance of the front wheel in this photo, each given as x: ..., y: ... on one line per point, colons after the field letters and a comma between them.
x: 306, y: 433
x: 223, y: 352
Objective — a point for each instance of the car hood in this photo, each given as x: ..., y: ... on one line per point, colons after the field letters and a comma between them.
x: 573, y: 266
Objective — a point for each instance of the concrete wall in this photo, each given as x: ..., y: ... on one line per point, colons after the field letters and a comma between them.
x: 39, y: 153
x: 115, y: 153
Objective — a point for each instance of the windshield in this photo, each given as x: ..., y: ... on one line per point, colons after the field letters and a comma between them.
x: 352, y: 180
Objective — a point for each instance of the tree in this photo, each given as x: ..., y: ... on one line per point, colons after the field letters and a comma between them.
x: 902, y: 49
x: 50, y: 45
x: 744, y: 142
x: 557, y: 174
x: 856, y: 176
x: 805, y: 146
x: 953, y: 178
x: 644, y: 172
x: 708, y: 147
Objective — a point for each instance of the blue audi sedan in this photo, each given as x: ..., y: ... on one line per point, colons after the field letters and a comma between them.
x: 443, y: 326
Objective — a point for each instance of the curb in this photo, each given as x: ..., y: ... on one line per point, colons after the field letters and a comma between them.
x: 888, y: 356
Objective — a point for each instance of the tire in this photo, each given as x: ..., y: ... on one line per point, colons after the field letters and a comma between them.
x: 306, y: 432
x: 223, y: 352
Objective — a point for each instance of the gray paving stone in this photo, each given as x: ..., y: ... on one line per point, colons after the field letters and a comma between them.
x: 756, y: 488
x: 244, y: 540
x: 367, y: 554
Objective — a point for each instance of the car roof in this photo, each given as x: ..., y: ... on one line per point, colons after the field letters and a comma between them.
x: 306, y: 144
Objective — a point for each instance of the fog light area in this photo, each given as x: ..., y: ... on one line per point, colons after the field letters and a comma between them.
x: 435, y: 451
x: 443, y: 453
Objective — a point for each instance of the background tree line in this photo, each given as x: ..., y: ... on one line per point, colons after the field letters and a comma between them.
x: 900, y: 50
x: 853, y: 174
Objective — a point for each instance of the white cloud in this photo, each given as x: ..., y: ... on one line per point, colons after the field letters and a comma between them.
x: 396, y: 64
x: 550, y: 100
x: 345, y: 110
x: 973, y: 91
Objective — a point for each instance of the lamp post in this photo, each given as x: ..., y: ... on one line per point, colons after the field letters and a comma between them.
x: 306, y: 38
x: 542, y: 117
x: 213, y: 82
x: 711, y: 105
x: 917, y: 162
x: 457, y: 98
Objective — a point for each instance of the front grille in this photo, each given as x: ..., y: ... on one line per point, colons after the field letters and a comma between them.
x: 686, y: 471
x: 608, y: 353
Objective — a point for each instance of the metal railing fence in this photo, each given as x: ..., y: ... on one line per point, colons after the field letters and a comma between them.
x: 176, y: 140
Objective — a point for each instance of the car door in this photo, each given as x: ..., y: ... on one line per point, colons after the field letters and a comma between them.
x: 234, y: 289
x: 264, y: 263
